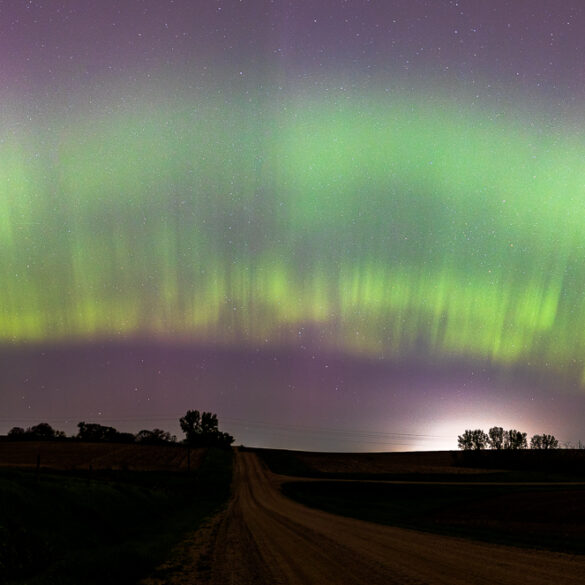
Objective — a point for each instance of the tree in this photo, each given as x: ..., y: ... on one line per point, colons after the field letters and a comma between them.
x: 96, y: 433
x: 473, y: 440
x: 154, y: 437
x: 17, y: 433
x: 497, y: 438
x: 209, y: 424
x: 42, y: 431
x: 201, y: 430
x: 191, y: 425
x: 124, y: 437
x: 515, y: 440
x: 224, y: 440
x: 544, y: 442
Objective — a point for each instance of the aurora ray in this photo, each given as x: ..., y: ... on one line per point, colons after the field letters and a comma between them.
x: 395, y: 226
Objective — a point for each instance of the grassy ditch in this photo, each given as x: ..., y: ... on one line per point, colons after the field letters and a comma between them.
x: 531, y: 516
x: 105, y: 527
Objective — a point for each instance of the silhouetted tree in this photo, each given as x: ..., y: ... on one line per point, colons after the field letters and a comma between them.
x: 514, y: 439
x: 473, y: 440
x: 124, y: 437
x: 201, y: 430
x: 96, y: 433
x: 191, y: 425
x: 42, y: 431
x: 209, y: 424
x: 17, y: 433
x: 544, y: 442
x: 224, y: 440
x: 154, y: 437
x: 497, y: 438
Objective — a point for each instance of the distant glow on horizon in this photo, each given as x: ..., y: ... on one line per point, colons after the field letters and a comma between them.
x: 391, y: 225
x: 449, y: 430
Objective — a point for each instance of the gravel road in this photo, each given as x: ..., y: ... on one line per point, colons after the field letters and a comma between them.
x: 265, y: 538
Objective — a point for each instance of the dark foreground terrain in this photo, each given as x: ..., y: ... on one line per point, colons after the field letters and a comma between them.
x: 529, y: 498
x: 66, y: 524
x: 538, y: 516
x: 77, y: 456
x: 414, y: 518
x: 265, y: 537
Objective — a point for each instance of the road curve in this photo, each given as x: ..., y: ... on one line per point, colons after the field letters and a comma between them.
x: 265, y: 538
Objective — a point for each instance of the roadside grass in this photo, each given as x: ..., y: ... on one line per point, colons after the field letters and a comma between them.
x: 551, y: 518
x: 113, y: 527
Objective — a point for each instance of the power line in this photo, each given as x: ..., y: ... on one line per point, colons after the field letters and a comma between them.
x: 369, y: 433
x: 283, y: 430
x: 238, y: 421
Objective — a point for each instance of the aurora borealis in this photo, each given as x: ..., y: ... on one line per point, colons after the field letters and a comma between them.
x: 275, y: 181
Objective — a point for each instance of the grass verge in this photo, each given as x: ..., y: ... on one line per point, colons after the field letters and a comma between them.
x: 113, y: 527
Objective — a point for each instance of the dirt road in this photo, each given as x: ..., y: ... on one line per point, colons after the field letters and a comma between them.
x: 265, y: 538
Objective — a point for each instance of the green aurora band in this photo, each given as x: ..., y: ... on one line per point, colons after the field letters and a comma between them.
x: 388, y: 226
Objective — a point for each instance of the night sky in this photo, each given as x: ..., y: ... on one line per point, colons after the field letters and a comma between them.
x: 340, y: 225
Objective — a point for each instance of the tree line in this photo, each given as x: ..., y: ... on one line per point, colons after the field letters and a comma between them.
x: 201, y: 430
x: 497, y: 438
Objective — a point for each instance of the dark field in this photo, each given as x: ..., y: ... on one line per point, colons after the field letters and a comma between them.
x: 433, y: 465
x: 71, y: 456
x: 112, y: 525
x: 452, y: 466
x: 475, y: 495
x: 540, y: 517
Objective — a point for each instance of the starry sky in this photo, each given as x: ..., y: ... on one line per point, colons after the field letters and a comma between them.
x: 340, y: 225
